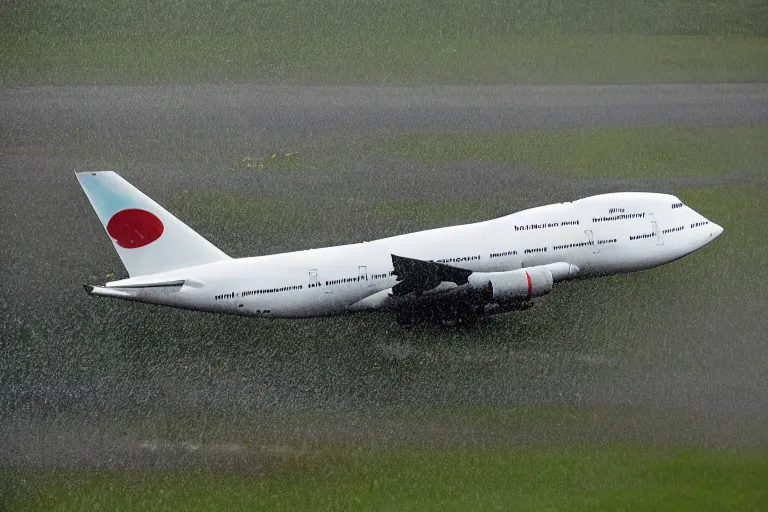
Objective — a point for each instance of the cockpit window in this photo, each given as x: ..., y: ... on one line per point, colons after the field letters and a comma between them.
x: 677, y: 205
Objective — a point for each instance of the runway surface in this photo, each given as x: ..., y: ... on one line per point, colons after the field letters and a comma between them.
x: 280, y: 113
x: 69, y: 363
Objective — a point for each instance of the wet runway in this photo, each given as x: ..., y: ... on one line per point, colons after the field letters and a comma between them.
x: 77, y: 361
x: 271, y: 113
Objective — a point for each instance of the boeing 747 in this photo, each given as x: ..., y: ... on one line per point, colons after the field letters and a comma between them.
x: 447, y: 275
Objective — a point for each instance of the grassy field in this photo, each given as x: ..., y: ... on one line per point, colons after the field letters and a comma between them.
x: 358, y: 478
x: 535, y: 458
x: 241, y: 212
x: 426, y: 213
x: 85, y: 360
x: 394, y: 42
x: 645, y: 152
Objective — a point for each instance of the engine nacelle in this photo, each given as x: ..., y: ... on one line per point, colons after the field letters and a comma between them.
x: 514, y: 285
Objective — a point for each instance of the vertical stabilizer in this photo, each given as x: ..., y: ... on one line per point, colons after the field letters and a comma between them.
x: 147, y: 237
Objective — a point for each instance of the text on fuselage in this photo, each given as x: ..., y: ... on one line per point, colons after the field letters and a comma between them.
x: 528, y: 227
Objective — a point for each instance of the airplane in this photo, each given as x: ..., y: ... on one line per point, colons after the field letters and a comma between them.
x: 450, y: 275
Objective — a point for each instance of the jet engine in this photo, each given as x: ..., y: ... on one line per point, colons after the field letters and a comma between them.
x: 514, y: 285
x: 522, y: 284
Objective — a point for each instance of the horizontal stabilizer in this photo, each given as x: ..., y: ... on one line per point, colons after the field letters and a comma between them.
x: 159, y: 284
x: 133, y: 291
x: 103, y: 291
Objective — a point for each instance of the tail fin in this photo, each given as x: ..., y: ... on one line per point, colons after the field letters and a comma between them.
x: 147, y: 238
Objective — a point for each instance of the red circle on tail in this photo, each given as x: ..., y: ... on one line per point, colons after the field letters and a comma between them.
x: 134, y: 228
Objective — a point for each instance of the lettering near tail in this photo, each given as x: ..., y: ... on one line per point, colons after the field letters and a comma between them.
x: 133, y: 228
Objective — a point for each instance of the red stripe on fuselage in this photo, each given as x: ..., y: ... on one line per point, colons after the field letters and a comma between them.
x: 530, y: 285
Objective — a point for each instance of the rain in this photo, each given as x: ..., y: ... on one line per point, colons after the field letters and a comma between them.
x: 270, y: 127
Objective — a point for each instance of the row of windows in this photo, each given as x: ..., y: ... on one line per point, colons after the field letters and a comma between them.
x: 640, y: 237
x: 623, y: 216
x: 502, y: 254
x: 249, y: 293
x: 677, y: 205
x: 615, y: 210
x: 537, y: 249
x: 571, y: 246
x: 457, y: 260
x: 610, y: 241
x: 271, y: 290
x: 528, y: 227
x: 343, y: 281
x: 697, y: 224
x: 351, y: 279
x: 672, y: 230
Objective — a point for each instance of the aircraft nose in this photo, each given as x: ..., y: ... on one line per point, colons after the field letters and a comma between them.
x: 715, y: 231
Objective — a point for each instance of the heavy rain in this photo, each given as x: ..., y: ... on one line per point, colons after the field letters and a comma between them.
x: 271, y: 127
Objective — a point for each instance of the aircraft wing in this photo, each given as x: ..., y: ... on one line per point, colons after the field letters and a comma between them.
x: 418, y: 287
x: 415, y: 275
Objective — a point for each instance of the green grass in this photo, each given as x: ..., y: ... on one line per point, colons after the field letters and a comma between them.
x: 347, y: 477
x: 427, y: 213
x: 284, y: 161
x: 517, y: 59
x: 271, y: 18
x: 237, y: 223
x: 653, y: 151
x: 237, y: 211
x: 398, y: 42
x: 742, y: 213
x: 573, y: 465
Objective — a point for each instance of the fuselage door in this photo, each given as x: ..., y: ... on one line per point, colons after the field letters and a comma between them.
x: 362, y: 271
x: 313, y: 278
x: 591, y: 238
x: 657, y: 233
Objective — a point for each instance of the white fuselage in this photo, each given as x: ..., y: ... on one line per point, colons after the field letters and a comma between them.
x: 605, y: 234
